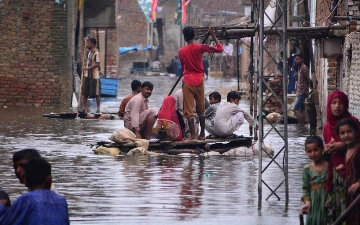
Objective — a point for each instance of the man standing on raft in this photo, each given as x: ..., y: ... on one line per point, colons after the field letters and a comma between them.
x: 193, y: 71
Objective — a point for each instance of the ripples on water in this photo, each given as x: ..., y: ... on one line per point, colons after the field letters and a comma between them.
x: 149, y: 189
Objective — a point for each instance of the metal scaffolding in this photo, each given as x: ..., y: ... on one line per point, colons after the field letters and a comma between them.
x: 264, y: 53
x: 261, y: 58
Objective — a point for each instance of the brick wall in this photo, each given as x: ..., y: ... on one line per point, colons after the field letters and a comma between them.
x: 351, y: 68
x: 354, y: 11
x: 327, y: 70
x: 33, y: 52
x: 351, y: 61
x: 351, y: 53
x: 112, y: 50
x: 132, y: 31
x: 133, y: 24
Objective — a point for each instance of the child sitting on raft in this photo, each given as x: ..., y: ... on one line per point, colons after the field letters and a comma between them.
x: 229, y: 117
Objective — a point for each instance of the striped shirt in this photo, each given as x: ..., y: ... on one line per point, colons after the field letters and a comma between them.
x: 93, y: 58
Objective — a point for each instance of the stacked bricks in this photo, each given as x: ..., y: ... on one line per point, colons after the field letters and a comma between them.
x: 271, y: 47
x: 33, y: 52
x: 273, y: 104
x: 332, y: 74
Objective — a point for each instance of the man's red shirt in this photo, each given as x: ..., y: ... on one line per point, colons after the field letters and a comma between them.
x: 191, y: 61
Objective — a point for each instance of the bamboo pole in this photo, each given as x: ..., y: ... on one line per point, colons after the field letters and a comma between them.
x: 348, y: 210
x: 311, y: 32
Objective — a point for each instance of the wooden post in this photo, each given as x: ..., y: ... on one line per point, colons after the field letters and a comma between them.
x: 345, y: 214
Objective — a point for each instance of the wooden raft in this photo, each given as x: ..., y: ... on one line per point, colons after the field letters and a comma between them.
x: 178, y: 147
x: 72, y: 115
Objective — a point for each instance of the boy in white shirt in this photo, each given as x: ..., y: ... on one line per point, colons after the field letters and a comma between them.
x: 229, y: 117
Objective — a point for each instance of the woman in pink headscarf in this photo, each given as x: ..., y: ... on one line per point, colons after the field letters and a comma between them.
x: 336, y: 109
x: 171, y: 119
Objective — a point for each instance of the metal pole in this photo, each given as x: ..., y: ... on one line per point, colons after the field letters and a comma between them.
x: 260, y: 97
x: 118, y: 35
x: 237, y: 63
x: 253, y: 67
x: 251, y: 80
x: 285, y: 91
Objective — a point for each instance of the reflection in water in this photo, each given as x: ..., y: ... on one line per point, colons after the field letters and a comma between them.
x: 149, y: 189
x: 191, y: 188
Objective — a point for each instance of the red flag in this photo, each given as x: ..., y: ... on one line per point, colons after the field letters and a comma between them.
x: 154, y: 5
x: 184, y: 3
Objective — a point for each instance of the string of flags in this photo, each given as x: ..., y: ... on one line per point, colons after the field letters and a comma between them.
x: 150, y: 8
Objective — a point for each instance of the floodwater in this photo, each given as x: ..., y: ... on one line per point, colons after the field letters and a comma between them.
x: 150, y: 189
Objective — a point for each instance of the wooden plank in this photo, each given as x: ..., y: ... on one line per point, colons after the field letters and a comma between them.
x: 186, y: 143
x: 64, y: 115
x: 71, y: 115
x: 177, y: 147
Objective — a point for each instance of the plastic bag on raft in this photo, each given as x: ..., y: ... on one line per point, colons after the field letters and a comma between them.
x: 101, y: 150
x: 122, y: 135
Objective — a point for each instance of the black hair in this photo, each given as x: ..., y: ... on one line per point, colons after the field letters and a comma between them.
x: 347, y: 121
x: 311, y: 84
x: 5, y: 196
x: 27, y: 153
x: 135, y: 84
x: 233, y: 95
x: 314, y: 140
x: 298, y: 55
x: 189, y: 33
x: 216, y: 95
x: 37, y: 170
x: 147, y: 84
x: 92, y: 40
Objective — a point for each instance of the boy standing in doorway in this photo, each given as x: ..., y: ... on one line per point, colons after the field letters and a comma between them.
x: 91, y: 80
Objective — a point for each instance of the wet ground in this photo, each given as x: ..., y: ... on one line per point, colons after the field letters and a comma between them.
x: 150, y: 189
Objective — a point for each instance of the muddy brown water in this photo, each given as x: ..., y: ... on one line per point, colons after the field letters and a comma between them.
x: 150, y: 189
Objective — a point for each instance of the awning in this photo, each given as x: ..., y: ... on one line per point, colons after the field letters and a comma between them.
x: 123, y: 50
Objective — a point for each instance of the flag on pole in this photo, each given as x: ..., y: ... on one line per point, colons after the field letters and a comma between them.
x: 154, y: 6
x: 180, y: 15
x: 146, y: 6
x: 184, y: 3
